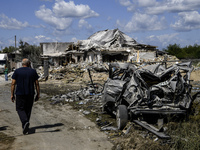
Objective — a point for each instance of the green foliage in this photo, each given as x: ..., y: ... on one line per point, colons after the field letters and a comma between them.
x: 9, y: 49
x: 32, y: 52
x: 187, y: 52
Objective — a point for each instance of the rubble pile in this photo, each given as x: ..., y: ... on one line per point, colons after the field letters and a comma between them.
x: 151, y: 89
x: 88, y: 99
x: 75, y: 72
x: 82, y: 96
x: 162, y: 58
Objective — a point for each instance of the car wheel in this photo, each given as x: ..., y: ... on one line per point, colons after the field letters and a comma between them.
x: 121, y: 116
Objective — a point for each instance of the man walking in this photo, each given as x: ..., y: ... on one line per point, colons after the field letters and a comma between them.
x: 26, y: 80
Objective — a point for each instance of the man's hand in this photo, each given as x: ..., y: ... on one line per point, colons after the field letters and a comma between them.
x: 37, y: 98
x: 37, y: 86
x: 13, y: 98
x: 12, y: 90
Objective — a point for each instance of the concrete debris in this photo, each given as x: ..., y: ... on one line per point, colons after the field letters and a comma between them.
x: 81, y: 97
x: 109, y: 128
x: 71, y: 72
x: 86, y: 112
x: 127, y: 130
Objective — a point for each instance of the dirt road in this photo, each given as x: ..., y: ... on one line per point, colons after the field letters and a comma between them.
x: 57, y: 128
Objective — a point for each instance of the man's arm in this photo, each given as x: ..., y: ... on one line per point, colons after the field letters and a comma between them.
x: 37, y: 86
x: 13, y: 90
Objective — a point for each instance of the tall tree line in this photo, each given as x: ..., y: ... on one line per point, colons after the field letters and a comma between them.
x: 187, y: 52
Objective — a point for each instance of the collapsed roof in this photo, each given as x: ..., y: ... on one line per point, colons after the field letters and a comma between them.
x: 109, y: 39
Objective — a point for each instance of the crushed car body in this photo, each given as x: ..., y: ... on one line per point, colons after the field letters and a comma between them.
x: 134, y: 91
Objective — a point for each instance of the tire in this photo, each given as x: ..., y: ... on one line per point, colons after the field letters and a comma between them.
x: 121, y: 116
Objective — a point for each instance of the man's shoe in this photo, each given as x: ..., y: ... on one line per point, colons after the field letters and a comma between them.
x: 26, y: 128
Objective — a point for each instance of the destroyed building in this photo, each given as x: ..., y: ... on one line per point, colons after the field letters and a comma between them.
x: 15, y: 59
x: 109, y: 46
x: 102, y: 46
x: 55, y: 52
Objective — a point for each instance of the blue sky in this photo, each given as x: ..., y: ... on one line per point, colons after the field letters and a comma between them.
x: 154, y: 22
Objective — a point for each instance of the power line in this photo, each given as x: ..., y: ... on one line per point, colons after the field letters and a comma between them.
x: 7, y: 39
x: 3, y: 42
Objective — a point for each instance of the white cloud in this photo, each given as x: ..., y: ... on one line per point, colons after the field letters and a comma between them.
x: 36, y: 40
x: 42, y: 37
x: 146, y: 3
x: 142, y: 22
x: 186, y: 13
x: 187, y: 21
x: 62, y: 15
x: 11, y: 23
x: 163, y: 40
x: 47, y: 16
x: 174, y: 6
x: 155, y: 7
x: 69, y: 9
x: 82, y: 23
x: 136, y: 5
x: 125, y: 2
x: 39, y: 36
x: 131, y: 6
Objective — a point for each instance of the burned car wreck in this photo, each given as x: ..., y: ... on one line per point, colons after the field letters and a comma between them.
x: 150, y: 92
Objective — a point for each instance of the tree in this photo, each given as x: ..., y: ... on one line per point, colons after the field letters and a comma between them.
x: 187, y: 52
x: 9, y: 49
x: 32, y: 52
x: 173, y: 49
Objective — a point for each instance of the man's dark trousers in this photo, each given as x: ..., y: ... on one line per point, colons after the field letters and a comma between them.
x: 24, y: 105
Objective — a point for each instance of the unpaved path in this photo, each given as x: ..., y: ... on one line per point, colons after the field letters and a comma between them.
x: 51, y: 127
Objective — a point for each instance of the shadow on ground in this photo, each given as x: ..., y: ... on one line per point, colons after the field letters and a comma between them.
x: 33, y: 129
x: 3, y: 128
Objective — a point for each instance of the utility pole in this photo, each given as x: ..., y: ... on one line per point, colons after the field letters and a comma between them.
x: 15, y: 42
x: 15, y: 52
